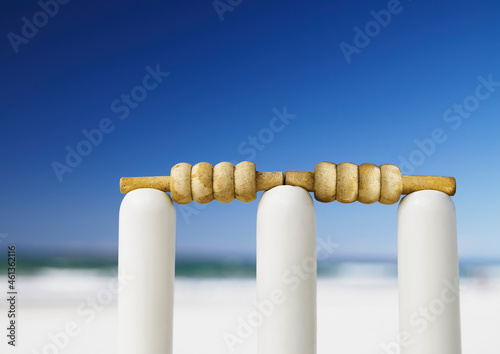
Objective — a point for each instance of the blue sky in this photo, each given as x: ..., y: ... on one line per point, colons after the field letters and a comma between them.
x: 223, y: 70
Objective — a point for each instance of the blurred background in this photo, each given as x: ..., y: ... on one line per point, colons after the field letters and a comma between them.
x: 94, y: 91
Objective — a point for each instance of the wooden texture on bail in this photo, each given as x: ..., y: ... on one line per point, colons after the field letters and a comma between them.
x: 304, y: 179
x: 446, y: 185
x: 223, y: 184
x: 180, y: 183
x: 325, y: 182
x: 201, y: 183
x: 391, y: 184
x: 245, y: 181
x: 369, y: 183
x: 268, y: 180
x: 128, y: 184
x: 345, y: 182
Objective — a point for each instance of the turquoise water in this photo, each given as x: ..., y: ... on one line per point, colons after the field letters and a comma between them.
x: 213, y: 268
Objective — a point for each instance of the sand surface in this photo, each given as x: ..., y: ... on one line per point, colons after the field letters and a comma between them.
x: 355, y: 316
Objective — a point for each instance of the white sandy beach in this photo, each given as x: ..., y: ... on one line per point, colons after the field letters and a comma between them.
x: 355, y: 316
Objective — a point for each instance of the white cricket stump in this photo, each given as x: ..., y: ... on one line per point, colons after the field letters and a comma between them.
x: 147, y: 255
x: 429, y: 304
x: 286, y: 272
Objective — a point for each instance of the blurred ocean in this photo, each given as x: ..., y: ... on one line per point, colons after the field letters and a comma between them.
x: 238, y: 267
x: 355, y: 297
x: 58, y: 278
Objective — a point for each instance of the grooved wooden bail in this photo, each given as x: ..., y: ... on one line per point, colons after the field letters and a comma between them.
x: 202, y: 183
x: 446, y: 185
x: 245, y: 181
x: 268, y: 180
x: 128, y: 184
x: 344, y: 182
x: 180, y: 183
x: 391, y: 184
x: 325, y: 182
x: 347, y: 182
x: 369, y: 183
x: 304, y: 179
x: 223, y: 184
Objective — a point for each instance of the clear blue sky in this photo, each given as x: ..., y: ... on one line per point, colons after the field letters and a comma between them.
x: 361, y: 91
